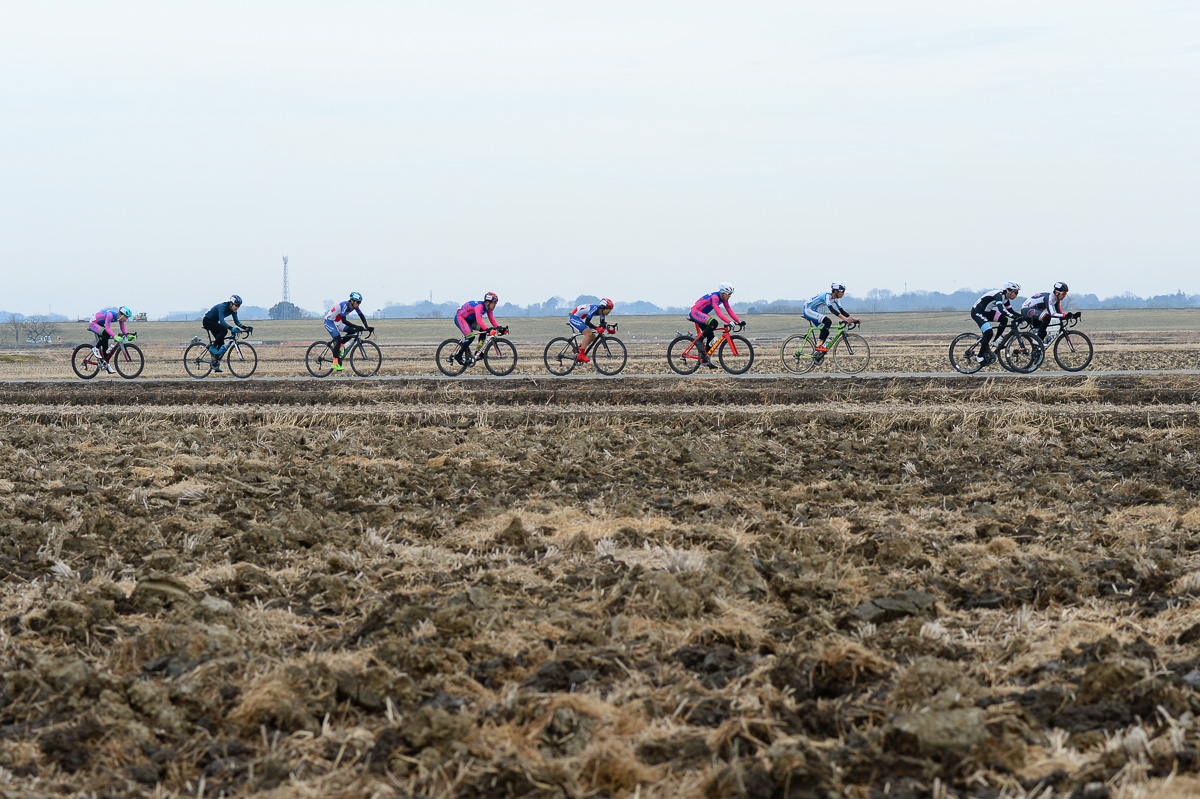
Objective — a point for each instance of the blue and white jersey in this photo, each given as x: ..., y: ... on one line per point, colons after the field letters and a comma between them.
x: 822, y: 304
x: 586, y: 312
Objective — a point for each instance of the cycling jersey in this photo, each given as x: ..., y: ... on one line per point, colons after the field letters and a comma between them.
x: 336, y: 318
x: 1043, y: 303
x: 712, y: 303
x: 994, y: 303
x: 813, y: 308
x: 470, y: 317
x: 216, y: 315
x: 103, y: 321
x: 580, y: 319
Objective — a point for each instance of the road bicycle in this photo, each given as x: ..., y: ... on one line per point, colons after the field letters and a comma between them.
x: 124, y: 355
x: 607, y: 352
x: 1072, y: 348
x: 240, y: 357
x: 850, y: 351
x: 498, y: 354
x: 735, y: 353
x: 1016, y: 350
x: 363, y: 356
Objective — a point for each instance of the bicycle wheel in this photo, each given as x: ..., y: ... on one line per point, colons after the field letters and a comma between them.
x: 130, y: 363
x: 560, y: 356
x: 197, y: 360
x: 446, y: 358
x: 85, y: 364
x: 500, y: 356
x: 852, y: 353
x: 319, y: 359
x: 963, y: 350
x: 242, y: 360
x: 365, y: 358
x: 797, y: 354
x: 1023, y: 353
x: 683, y: 357
x: 1073, y: 351
x: 609, y: 355
x: 736, y: 355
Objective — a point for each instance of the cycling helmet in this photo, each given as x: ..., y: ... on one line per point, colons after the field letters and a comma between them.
x: 725, y: 288
x: 235, y: 300
x: 837, y: 287
x: 1060, y: 286
x: 124, y: 309
x: 491, y: 297
x: 1011, y: 286
x: 607, y: 303
x: 355, y: 296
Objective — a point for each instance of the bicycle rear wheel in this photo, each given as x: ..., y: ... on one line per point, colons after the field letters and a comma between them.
x: 446, y: 358
x: 560, y: 356
x: 197, y: 360
x: 1073, y: 351
x: 797, y: 354
x: 736, y: 355
x: 500, y: 356
x: 242, y: 360
x: 85, y: 364
x: 365, y: 358
x: 683, y: 357
x: 609, y: 355
x: 852, y: 353
x: 963, y: 351
x: 130, y: 363
x: 319, y: 359
x: 1023, y: 353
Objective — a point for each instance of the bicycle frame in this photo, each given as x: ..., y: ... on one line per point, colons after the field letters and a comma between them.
x: 835, y: 335
x: 601, y: 333
x: 692, y: 350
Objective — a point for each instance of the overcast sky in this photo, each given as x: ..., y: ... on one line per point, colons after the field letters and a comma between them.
x: 163, y: 154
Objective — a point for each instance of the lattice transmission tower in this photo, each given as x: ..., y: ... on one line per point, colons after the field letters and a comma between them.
x: 287, y: 291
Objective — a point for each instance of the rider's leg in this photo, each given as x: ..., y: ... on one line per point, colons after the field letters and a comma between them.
x: 826, y: 323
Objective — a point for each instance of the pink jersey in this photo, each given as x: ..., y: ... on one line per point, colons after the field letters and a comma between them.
x: 104, y: 319
x: 712, y: 303
x: 476, y: 309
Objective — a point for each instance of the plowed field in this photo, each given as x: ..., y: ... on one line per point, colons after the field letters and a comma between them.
x: 645, y: 587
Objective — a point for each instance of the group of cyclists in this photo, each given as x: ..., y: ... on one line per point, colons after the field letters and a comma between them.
x: 476, y: 318
x: 993, y: 311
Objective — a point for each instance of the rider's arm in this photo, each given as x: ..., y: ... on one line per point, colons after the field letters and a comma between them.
x: 360, y: 316
x: 716, y: 306
x: 121, y: 322
x: 237, y: 322
x: 729, y: 310
x: 492, y: 319
x: 108, y: 320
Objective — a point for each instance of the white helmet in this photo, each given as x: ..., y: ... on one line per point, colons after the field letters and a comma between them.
x: 837, y: 287
x: 725, y: 288
x: 1011, y: 286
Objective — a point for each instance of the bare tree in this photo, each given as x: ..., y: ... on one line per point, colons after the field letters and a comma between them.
x: 15, y: 321
x: 39, y: 326
x: 877, y: 299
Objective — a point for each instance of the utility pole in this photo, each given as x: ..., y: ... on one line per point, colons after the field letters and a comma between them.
x: 287, y: 292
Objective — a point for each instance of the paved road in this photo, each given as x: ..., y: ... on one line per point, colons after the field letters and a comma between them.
x: 709, y: 376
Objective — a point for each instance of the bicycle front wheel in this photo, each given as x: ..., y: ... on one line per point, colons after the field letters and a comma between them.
x: 197, y: 360
x: 852, y: 353
x: 242, y: 360
x: 1073, y: 351
x: 1023, y: 353
x: 500, y: 357
x: 683, y: 356
x: 129, y: 363
x: 963, y: 351
x: 560, y: 356
x: 447, y: 360
x: 736, y: 355
x: 609, y: 355
x: 85, y: 364
x: 798, y: 354
x: 365, y: 358
x: 319, y: 359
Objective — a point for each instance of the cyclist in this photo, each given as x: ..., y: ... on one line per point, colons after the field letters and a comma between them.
x: 214, y: 322
x: 580, y: 320
x: 101, y: 326
x: 828, y: 301
x: 713, y: 303
x: 341, y: 330
x: 992, y: 312
x: 470, y: 319
x: 1044, y: 306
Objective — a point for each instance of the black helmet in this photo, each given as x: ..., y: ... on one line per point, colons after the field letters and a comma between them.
x: 1060, y: 286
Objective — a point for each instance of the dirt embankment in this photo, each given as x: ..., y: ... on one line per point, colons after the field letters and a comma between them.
x: 652, y: 588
